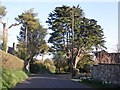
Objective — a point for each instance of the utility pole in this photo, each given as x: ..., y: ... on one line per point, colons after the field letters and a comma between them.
x: 4, y: 37
x: 7, y: 35
x: 27, y: 66
x: 26, y: 42
x: 72, y: 64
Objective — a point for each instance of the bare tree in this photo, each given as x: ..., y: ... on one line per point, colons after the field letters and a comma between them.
x: 5, y: 33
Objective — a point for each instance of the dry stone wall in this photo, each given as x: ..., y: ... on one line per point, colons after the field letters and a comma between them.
x: 108, y: 73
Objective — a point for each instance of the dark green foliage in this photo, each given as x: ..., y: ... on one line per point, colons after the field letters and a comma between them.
x: 84, y: 64
x: 72, y: 30
x: 28, y: 73
x: 60, y: 23
x: 87, y: 33
x: 37, y: 67
x: 31, y: 36
x: 61, y: 66
x: 21, y: 53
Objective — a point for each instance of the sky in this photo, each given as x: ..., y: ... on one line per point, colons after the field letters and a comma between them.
x: 104, y: 11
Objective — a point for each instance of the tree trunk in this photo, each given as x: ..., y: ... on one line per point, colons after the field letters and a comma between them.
x: 42, y: 58
x: 4, y: 37
x: 5, y: 34
x: 78, y: 57
x: 31, y: 59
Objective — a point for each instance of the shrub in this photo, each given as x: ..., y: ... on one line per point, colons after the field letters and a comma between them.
x: 28, y: 73
x: 48, y: 61
x: 51, y: 68
x: 34, y: 68
x: 38, y: 67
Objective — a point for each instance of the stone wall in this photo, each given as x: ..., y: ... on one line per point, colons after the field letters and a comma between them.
x: 109, y: 73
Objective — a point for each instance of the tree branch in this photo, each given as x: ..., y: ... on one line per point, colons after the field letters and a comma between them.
x: 2, y: 22
x: 16, y: 24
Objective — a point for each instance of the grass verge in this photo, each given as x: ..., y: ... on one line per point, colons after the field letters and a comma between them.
x: 11, y: 77
x: 98, y: 84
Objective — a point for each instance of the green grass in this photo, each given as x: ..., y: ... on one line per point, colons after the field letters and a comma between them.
x: 98, y: 84
x: 11, y: 77
x: 11, y: 71
x: 86, y: 79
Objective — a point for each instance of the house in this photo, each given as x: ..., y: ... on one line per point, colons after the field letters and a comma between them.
x: 11, y: 50
x: 0, y: 45
x: 107, y: 58
x: 107, y: 67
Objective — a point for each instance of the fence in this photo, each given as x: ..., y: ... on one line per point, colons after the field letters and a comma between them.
x: 109, y: 73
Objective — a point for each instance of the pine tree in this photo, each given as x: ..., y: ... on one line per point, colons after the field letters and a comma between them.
x: 31, y: 36
x: 73, y: 33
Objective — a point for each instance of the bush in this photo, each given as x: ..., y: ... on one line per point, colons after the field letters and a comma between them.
x: 75, y: 72
x: 48, y: 61
x: 38, y: 67
x: 34, y: 68
x: 28, y: 73
x: 51, y: 68
x: 61, y: 66
x: 66, y: 69
x: 84, y: 63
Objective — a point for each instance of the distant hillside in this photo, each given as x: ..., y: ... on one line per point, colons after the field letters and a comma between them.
x: 10, y: 62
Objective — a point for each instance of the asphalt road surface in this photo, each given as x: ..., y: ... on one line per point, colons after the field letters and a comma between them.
x: 50, y: 81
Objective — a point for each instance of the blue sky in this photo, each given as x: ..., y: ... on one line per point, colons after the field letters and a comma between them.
x: 106, y: 13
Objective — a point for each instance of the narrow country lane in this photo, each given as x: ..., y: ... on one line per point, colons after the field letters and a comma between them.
x: 49, y: 81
